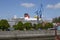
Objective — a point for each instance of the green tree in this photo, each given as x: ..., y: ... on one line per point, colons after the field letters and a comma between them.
x: 0, y: 24
x: 34, y: 26
x: 56, y: 20
x: 20, y: 25
x: 39, y: 26
x: 4, y: 25
x: 59, y: 19
x: 27, y: 26
x: 48, y: 25
x: 15, y: 27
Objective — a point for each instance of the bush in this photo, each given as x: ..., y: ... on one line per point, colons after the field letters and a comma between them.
x: 27, y: 26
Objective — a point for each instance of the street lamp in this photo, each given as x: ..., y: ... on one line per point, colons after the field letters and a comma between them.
x: 55, y: 30
x: 56, y: 36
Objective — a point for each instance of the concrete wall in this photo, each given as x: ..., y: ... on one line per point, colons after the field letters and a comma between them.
x: 28, y: 35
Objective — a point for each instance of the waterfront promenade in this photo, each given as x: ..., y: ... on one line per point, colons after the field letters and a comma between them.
x: 28, y: 35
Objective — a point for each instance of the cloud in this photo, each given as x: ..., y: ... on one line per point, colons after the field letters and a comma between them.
x: 28, y: 5
x: 54, y: 6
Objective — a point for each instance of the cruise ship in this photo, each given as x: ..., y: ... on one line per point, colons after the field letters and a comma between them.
x: 24, y: 19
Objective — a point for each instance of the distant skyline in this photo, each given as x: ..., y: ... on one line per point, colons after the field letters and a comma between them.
x: 9, y: 8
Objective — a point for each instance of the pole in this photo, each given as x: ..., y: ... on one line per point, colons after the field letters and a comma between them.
x: 55, y: 31
x: 38, y: 19
x: 56, y: 36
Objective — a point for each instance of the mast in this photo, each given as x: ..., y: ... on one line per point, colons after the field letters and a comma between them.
x: 39, y: 13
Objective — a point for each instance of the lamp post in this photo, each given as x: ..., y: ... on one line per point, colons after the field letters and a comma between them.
x: 56, y: 36
x: 55, y: 32
x: 55, y: 29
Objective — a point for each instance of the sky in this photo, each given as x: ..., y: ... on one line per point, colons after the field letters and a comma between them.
x: 9, y: 8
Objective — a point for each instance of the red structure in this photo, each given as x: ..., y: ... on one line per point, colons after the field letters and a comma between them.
x: 57, y: 38
x: 26, y: 15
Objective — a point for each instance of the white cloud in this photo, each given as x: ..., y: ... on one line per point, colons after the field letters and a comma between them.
x: 49, y: 6
x: 54, y: 6
x: 28, y: 5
